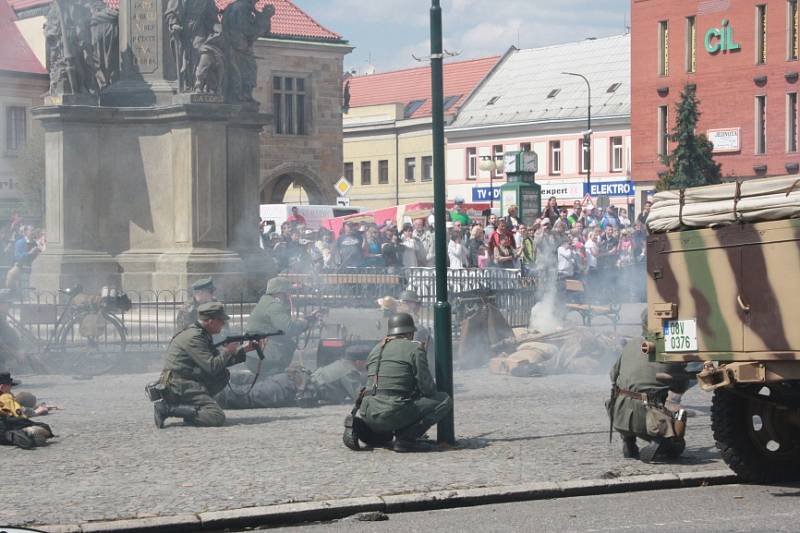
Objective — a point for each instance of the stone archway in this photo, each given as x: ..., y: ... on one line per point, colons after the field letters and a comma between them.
x: 275, y: 184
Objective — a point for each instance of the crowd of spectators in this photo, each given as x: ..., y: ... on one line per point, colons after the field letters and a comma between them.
x: 562, y: 243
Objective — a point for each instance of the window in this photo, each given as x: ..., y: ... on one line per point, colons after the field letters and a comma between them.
x: 411, y: 167
x: 497, y: 155
x: 289, y: 105
x: 792, y: 31
x: 366, y: 172
x: 555, y: 158
x: 613, y: 88
x: 493, y: 100
x: 427, y: 168
x: 553, y: 93
x: 586, y: 154
x: 616, y: 154
x: 383, y: 172
x: 663, y: 133
x: 525, y: 147
x: 450, y: 100
x: 412, y: 108
x: 472, y: 163
x: 761, y: 124
x: 691, y: 44
x: 348, y: 172
x: 761, y: 34
x: 663, y: 48
x: 791, y: 122
x: 16, y: 128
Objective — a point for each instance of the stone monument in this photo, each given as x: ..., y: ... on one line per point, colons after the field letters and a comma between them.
x: 152, y: 145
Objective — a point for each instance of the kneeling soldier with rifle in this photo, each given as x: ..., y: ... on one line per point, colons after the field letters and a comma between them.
x: 637, y: 405
x: 195, y: 370
x: 401, y: 397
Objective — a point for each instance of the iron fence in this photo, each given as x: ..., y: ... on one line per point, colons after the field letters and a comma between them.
x: 153, y: 318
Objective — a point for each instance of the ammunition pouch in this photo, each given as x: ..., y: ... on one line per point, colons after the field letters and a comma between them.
x: 155, y: 391
x: 662, y: 423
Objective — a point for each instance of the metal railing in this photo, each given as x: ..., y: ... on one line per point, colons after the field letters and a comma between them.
x: 152, y: 320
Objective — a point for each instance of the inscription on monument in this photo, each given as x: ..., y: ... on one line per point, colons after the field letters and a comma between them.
x: 144, y: 35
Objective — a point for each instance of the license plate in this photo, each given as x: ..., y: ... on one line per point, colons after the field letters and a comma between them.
x: 680, y: 335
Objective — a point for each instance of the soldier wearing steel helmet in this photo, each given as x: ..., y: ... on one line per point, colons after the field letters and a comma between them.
x: 272, y: 313
x: 401, y: 397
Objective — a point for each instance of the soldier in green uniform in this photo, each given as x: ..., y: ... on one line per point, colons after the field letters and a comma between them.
x: 636, y: 407
x: 195, y: 370
x: 202, y: 292
x: 401, y: 397
x: 272, y: 313
x: 9, y: 340
x: 334, y: 383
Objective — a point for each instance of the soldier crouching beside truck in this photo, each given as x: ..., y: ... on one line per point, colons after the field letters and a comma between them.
x: 195, y: 371
x: 637, y: 405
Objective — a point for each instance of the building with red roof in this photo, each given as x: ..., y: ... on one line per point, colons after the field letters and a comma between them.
x: 388, y: 145
x: 23, y: 80
x: 300, y: 67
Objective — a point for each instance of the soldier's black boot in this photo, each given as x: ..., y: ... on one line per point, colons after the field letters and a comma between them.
x: 160, y: 413
x: 20, y: 439
x: 629, y: 448
x: 407, y: 439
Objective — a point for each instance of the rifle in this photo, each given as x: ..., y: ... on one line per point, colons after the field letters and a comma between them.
x: 249, y: 337
x: 612, y: 401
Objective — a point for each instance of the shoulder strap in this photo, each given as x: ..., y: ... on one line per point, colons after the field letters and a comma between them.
x: 384, y: 342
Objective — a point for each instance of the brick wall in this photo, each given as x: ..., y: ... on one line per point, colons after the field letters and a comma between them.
x: 725, y: 80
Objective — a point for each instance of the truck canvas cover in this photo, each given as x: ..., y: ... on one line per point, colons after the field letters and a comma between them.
x: 714, y: 205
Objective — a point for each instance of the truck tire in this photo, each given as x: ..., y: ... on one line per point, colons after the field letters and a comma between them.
x: 747, y: 431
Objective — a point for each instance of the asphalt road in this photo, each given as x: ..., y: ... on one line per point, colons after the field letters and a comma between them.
x: 740, y: 508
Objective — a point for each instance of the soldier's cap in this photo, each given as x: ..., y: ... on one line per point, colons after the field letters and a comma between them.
x: 212, y: 310
x: 6, y: 296
x: 278, y: 285
x: 410, y: 296
x: 205, y: 284
x: 5, y: 379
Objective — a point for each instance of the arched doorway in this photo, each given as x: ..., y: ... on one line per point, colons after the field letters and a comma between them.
x: 296, y: 184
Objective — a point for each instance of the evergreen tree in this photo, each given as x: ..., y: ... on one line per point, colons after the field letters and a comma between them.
x: 690, y: 163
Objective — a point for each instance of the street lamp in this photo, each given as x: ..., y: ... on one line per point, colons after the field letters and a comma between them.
x: 488, y: 164
x: 587, y: 135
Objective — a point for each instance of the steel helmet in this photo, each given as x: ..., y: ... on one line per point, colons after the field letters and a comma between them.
x: 279, y: 285
x: 401, y: 323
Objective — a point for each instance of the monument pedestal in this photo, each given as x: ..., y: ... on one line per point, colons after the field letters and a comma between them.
x: 154, y: 198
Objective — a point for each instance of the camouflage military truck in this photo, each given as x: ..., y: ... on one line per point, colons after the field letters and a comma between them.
x: 723, y: 266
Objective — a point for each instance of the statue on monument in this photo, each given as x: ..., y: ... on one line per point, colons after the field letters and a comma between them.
x: 70, y: 54
x: 105, y: 42
x: 242, y: 24
x: 191, y: 23
x: 210, y: 73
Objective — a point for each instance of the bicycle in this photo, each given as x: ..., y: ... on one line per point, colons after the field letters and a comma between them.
x: 87, y: 338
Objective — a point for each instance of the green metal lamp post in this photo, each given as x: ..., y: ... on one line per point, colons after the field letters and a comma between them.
x: 442, y: 326
x: 587, y: 136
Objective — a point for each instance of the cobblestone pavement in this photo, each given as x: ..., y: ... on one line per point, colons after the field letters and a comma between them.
x: 110, y: 462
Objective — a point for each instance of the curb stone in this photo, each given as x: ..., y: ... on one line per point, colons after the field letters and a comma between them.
x: 320, y: 511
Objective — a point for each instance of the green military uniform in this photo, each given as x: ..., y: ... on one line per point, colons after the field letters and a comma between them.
x: 401, y: 395
x: 187, y: 315
x: 272, y: 314
x: 634, y: 374
x: 333, y: 384
x: 195, y: 370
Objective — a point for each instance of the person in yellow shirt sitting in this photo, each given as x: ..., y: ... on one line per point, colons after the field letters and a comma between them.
x: 16, y: 429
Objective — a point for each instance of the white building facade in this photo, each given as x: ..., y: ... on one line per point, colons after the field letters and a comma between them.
x: 528, y: 103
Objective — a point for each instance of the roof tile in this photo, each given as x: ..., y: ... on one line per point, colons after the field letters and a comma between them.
x: 289, y: 21
x: 15, y: 54
x: 413, y: 84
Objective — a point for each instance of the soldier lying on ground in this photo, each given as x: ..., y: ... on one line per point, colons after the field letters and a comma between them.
x: 16, y: 428
x: 195, y: 371
x: 637, y: 404
x: 401, y: 399
x: 335, y: 383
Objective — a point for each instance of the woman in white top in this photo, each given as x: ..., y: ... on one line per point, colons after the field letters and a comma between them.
x: 456, y: 251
